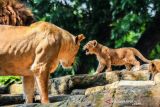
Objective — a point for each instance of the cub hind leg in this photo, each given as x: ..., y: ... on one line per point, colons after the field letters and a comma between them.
x: 128, y: 67
x: 136, y: 65
x: 131, y: 60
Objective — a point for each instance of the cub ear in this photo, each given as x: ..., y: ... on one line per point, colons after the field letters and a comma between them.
x: 152, y: 66
x: 94, y: 43
x: 79, y: 38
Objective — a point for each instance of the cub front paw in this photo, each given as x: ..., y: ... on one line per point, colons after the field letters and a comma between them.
x: 95, y: 73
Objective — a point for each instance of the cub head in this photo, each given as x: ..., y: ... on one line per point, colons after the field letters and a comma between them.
x: 71, y: 51
x: 154, y: 65
x: 90, y: 47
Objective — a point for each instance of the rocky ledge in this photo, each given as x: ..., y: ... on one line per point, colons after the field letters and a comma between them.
x: 113, y: 89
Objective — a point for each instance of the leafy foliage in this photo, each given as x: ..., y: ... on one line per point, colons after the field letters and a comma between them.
x: 7, y: 80
x: 155, y: 51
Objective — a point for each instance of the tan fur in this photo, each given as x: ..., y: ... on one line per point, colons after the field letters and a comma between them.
x: 34, y: 52
x: 154, y: 67
x: 107, y: 56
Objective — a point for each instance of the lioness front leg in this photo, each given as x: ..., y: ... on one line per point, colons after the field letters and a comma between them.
x: 41, y: 74
x: 42, y: 82
x: 40, y: 68
x: 28, y: 88
x: 99, y: 68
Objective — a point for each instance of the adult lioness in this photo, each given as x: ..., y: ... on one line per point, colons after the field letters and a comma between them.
x: 107, y: 56
x: 34, y: 52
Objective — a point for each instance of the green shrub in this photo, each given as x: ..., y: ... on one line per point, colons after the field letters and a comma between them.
x: 7, y: 80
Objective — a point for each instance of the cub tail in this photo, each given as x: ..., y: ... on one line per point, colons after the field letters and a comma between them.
x: 139, y: 55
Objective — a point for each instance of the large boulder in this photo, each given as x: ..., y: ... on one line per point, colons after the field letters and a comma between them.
x: 157, y: 78
x: 118, y: 94
x: 4, y: 90
x: 65, y: 85
x: 60, y: 85
x: 121, y: 94
x: 136, y: 93
x: 94, y: 89
x: 110, y: 89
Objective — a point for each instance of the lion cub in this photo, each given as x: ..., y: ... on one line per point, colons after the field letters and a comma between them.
x: 154, y: 67
x: 107, y: 56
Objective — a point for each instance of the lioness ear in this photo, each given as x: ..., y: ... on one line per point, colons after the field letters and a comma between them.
x: 94, y: 43
x: 79, y: 38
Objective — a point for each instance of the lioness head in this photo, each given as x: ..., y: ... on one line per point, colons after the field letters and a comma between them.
x: 90, y: 47
x: 71, y: 51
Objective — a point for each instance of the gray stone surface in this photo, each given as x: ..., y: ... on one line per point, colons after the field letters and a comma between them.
x: 113, y: 89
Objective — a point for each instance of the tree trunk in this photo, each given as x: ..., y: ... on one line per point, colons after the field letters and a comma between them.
x: 150, y: 37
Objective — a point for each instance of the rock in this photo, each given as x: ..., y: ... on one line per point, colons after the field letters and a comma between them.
x: 4, y: 90
x: 126, y: 93
x: 85, y: 80
x: 11, y: 99
x: 136, y: 93
x: 112, y: 76
x: 61, y: 85
x: 94, y: 90
x: 142, y: 67
x: 157, y: 78
x: 121, y: 94
x: 58, y: 98
x: 65, y: 84
x: 110, y: 89
x: 118, y: 94
x: 135, y: 75
x: 16, y: 89
x: 78, y: 92
x: 57, y: 104
x: 8, y: 99
x: 136, y: 83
